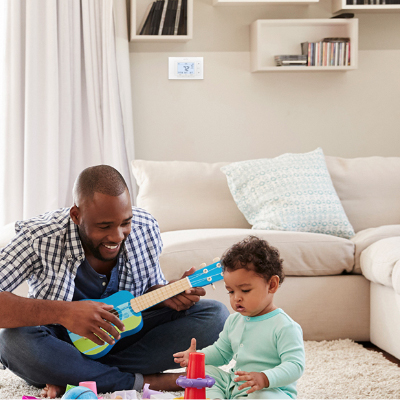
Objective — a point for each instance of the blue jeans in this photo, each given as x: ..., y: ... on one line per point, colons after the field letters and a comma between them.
x: 45, y: 354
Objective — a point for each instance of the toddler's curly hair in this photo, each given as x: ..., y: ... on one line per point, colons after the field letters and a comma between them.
x: 254, y: 254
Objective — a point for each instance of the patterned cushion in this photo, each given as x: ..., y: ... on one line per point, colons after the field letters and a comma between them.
x: 292, y: 192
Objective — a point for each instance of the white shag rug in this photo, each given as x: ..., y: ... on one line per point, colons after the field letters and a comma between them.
x: 339, y: 369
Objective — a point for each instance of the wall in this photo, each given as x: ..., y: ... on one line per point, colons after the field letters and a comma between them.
x: 234, y: 114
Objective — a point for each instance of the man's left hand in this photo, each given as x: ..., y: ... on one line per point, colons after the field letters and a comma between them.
x: 186, y: 299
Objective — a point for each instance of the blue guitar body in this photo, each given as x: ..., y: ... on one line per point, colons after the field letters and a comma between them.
x: 124, y: 304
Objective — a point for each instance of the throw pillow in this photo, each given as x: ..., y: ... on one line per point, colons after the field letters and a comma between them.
x: 292, y: 192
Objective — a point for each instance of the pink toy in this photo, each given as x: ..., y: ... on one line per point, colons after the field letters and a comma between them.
x: 90, y: 385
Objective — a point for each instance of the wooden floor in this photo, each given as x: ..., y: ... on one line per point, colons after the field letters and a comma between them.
x: 372, y: 347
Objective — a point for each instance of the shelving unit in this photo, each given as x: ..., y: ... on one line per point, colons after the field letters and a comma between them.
x: 271, y: 37
x: 341, y: 6
x: 260, y: 2
x: 138, y: 10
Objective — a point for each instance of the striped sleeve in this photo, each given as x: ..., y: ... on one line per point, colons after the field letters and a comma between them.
x: 17, y: 262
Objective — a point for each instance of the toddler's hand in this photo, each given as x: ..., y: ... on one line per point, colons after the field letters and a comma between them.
x: 182, y: 357
x: 254, y: 380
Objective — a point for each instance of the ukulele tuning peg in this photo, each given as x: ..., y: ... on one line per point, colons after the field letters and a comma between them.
x: 203, y: 265
x: 213, y: 286
x: 216, y: 259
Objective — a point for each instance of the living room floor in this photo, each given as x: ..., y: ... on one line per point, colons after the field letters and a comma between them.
x: 372, y: 347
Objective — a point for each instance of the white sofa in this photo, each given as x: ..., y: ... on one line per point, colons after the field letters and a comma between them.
x: 334, y: 287
x: 324, y: 289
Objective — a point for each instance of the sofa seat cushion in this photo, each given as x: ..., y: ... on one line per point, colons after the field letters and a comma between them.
x: 380, y: 262
x: 304, y: 254
x: 366, y: 237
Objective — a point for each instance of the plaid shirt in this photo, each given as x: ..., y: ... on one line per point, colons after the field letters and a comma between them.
x: 47, y: 252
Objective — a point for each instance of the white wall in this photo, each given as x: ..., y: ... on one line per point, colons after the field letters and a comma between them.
x: 234, y: 114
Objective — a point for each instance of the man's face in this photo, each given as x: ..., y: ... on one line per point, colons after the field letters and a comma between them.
x: 104, y: 222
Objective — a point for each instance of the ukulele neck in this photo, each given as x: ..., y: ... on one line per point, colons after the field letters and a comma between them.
x: 154, y: 297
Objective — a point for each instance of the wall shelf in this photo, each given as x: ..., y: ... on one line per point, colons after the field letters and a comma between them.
x: 138, y: 10
x: 341, y: 5
x: 271, y: 37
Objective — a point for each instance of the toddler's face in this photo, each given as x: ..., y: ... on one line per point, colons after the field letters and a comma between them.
x: 248, y: 292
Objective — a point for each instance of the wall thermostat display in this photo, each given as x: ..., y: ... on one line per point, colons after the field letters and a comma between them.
x: 185, y: 67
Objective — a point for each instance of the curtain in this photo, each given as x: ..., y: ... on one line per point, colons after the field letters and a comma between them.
x: 68, y: 100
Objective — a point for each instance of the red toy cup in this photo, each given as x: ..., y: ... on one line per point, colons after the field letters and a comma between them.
x: 196, y: 369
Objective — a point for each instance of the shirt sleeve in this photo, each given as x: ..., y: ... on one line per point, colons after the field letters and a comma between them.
x: 219, y: 353
x: 154, y: 247
x: 17, y: 262
x: 290, y: 348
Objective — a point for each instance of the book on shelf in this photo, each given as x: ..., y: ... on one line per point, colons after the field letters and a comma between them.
x: 290, y: 60
x: 165, y: 17
x: 178, y: 14
x: 329, y: 52
x: 371, y: 2
x: 145, y: 26
x: 182, y: 27
x: 162, y: 20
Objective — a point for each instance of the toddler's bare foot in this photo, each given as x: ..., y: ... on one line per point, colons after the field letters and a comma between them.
x: 52, y: 391
x: 165, y: 381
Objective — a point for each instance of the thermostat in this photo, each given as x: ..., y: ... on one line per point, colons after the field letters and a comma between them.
x: 185, y: 68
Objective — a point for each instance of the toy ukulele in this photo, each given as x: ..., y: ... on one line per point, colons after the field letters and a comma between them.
x: 128, y: 308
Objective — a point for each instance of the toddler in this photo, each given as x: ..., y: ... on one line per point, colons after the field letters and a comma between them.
x: 265, y: 342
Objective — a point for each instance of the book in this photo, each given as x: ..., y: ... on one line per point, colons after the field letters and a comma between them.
x: 288, y: 60
x: 182, y: 28
x: 170, y: 18
x: 162, y: 21
x: 178, y: 14
x: 144, y: 19
x: 146, y: 26
x: 155, y: 21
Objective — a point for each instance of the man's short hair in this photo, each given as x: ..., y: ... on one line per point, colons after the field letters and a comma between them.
x: 101, y: 179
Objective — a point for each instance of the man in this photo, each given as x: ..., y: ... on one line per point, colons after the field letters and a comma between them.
x: 95, y: 248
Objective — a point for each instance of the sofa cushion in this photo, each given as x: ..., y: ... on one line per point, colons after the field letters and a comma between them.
x: 304, y: 254
x: 292, y: 192
x: 366, y: 237
x: 369, y: 189
x: 380, y: 262
x: 186, y: 195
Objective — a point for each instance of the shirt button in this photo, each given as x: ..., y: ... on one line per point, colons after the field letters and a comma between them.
x: 80, y: 257
x: 69, y: 256
x: 104, y: 284
x: 248, y: 319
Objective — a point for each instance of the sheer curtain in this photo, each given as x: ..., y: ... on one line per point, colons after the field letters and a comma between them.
x: 68, y: 100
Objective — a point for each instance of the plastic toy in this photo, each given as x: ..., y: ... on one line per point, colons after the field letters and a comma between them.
x: 148, y: 392
x: 124, y: 395
x: 196, y: 380
x: 90, y: 385
x: 79, y: 392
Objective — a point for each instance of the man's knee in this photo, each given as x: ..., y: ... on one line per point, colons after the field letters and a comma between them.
x: 14, y: 341
x: 219, y: 311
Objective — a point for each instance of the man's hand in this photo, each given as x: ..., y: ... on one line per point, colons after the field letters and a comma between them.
x: 89, y: 318
x: 182, y: 357
x: 254, y: 380
x: 187, y: 299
